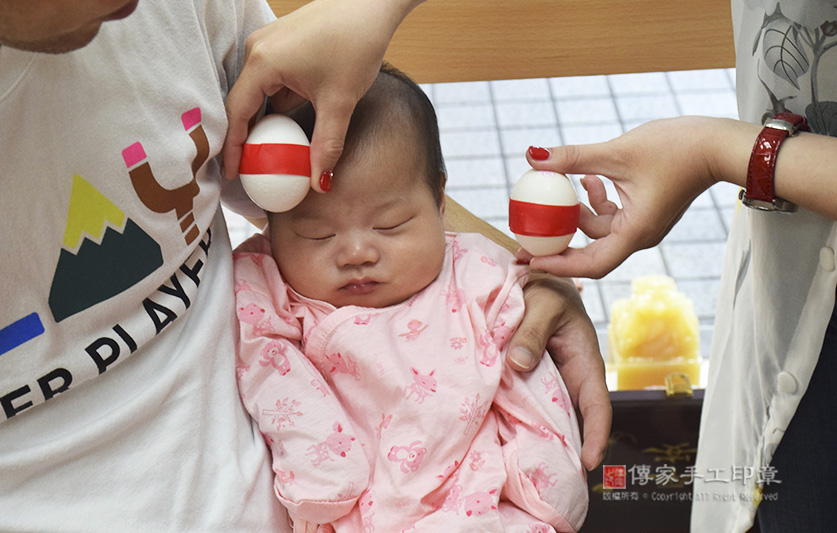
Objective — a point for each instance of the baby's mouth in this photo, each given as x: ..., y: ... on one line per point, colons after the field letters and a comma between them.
x: 360, y: 287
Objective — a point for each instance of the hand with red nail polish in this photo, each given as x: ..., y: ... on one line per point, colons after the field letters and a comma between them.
x: 652, y: 169
x: 537, y: 153
x: 313, y: 54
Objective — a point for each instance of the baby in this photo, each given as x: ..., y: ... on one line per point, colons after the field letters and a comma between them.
x: 372, y: 348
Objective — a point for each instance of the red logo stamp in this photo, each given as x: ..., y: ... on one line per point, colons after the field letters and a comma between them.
x: 613, y: 476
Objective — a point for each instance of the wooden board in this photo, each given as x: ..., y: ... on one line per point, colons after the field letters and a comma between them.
x: 469, y: 40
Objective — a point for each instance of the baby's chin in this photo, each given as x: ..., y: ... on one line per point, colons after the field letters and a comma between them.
x: 371, y: 300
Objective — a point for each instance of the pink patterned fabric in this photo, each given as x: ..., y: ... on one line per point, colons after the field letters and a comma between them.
x: 406, y: 417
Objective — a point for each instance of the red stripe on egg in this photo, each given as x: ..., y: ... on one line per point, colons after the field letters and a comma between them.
x: 538, y: 220
x: 270, y: 158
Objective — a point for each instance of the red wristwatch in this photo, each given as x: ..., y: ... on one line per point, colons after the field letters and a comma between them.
x: 759, y: 193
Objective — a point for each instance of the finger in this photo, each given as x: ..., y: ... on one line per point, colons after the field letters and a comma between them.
x: 245, y: 100
x: 593, y: 225
x: 527, y: 345
x: 523, y: 257
x: 576, y: 159
x: 526, y: 348
x: 333, y: 116
x: 575, y: 350
x: 597, y: 195
x: 593, y: 261
x: 596, y: 415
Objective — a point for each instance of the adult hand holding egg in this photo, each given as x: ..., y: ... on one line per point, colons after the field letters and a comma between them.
x: 657, y: 172
x: 312, y: 53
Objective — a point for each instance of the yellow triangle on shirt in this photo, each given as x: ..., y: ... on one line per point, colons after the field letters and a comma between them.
x: 89, y: 210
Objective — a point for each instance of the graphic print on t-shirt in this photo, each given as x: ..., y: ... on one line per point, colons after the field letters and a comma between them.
x: 104, y: 252
x: 162, y: 200
x: 20, y: 331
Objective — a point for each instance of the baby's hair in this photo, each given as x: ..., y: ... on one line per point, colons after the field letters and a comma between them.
x: 392, y: 105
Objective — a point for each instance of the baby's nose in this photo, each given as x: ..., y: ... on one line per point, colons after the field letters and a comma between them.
x: 358, y: 250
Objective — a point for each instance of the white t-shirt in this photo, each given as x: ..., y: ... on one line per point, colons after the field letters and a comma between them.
x: 777, y: 293
x: 118, y: 403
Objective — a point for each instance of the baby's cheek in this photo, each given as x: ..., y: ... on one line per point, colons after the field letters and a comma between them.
x: 310, y: 274
x: 429, y: 263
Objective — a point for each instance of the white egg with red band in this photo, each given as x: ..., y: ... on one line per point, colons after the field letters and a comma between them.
x: 543, y: 212
x: 275, y: 167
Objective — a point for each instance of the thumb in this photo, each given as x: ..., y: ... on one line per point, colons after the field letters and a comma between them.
x: 528, y: 344
x: 328, y: 140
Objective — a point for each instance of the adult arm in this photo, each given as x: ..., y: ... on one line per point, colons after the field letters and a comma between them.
x: 659, y: 168
x: 555, y: 320
x: 315, y: 53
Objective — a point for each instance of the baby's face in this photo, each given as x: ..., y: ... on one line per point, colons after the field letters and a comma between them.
x: 375, y: 240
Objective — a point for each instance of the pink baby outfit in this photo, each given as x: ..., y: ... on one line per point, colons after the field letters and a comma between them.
x: 406, y: 418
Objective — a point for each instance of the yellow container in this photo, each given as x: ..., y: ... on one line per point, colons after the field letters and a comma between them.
x: 652, y: 334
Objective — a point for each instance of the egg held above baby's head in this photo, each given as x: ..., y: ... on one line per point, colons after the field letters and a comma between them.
x: 275, y: 165
x: 543, y: 212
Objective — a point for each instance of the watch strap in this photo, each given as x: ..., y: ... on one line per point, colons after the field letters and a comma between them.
x: 760, y: 191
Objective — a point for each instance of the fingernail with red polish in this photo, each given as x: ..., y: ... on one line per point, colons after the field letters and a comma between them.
x: 325, y: 180
x: 537, y: 153
x: 521, y: 261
